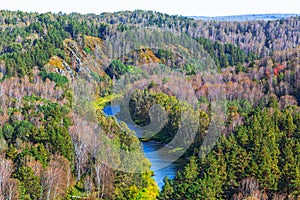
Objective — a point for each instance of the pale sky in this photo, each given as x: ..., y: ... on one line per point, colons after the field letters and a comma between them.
x: 180, y: 7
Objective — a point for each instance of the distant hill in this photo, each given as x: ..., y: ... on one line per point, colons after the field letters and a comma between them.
x: 246, y: 17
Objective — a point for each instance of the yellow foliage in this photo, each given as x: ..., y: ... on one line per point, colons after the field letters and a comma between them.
x: 151, y: 192
x: 32, y: 36
x: 56, y: 62
x: 101, y: 102
x: 147, y: 56
x: 93, y: 42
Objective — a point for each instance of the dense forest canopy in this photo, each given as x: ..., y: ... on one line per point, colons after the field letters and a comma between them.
x: 57, y: 72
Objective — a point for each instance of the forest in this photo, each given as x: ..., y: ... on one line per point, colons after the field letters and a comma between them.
x: 58, y: 72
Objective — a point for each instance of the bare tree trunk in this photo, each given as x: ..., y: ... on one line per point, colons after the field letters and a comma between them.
x: 6, y: 168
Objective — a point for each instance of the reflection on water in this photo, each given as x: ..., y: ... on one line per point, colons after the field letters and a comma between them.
x: 157, y: 158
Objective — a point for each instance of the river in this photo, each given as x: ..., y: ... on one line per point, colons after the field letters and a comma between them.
x: 157, y: 158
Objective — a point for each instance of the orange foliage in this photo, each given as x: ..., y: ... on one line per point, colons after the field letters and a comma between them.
x: 277, y: 69
x: 93, y: 42
x: 56, y: 62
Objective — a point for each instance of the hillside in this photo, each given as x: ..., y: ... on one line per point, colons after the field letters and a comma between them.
x: 234, y: 84
x: 254, y: 17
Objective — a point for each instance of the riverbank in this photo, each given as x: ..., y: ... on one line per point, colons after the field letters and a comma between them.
x: 101, y: 102
x: 162, y: 163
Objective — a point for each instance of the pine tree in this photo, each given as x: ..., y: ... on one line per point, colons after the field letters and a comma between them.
x: 167, y: 190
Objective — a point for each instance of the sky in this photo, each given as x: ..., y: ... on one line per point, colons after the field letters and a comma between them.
x: 173, y: 7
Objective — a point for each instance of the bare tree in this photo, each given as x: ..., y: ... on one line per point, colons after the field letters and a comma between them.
x: 12, y: 189
x: 88, y: 185
x: 81, y: 155
x: 55, y: 178
x: 6, y: 168
x: 103, y: 178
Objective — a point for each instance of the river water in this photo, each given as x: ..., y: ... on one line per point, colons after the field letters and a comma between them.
x: 152, y: 152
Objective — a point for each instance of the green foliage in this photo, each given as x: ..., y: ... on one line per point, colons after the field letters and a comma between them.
x: 53, y: 134
x: 39, y: 142
x: 116, y: 69
x: 265, y: 148
x: 141, y: 102
x: 8, y: 131
x: 128, y: 185
x: 97, y: 77
x: 243, y: 106
x: 57, y: 78
x: 226, y: 55
x: 190, y: 69
x: 87, y: 50
x: 30, y: 183
x: 38, y: 41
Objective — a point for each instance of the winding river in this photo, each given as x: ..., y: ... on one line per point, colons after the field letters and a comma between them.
x: 157, y: 158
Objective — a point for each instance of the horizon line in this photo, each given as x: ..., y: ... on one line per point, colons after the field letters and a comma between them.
x: 189, y: 16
